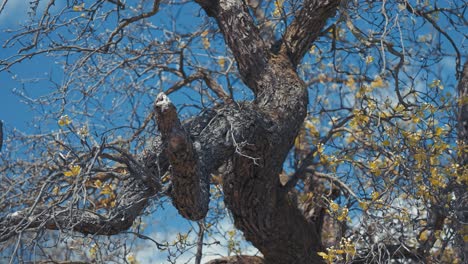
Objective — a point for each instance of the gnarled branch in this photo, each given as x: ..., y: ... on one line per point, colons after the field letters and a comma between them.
x: 241, y: 35
x: 306, y: 27
x: 132, y: 199
x: 190, y: 184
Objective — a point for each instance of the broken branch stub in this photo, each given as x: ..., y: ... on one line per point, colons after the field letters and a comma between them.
x: 190, y: 187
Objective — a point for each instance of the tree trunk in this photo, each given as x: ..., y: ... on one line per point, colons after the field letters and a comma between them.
x: 251, y: 140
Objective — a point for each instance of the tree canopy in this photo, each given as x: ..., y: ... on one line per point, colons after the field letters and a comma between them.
x: 323, y: 130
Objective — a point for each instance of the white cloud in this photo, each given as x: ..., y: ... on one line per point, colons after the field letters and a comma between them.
x: 150, y: 254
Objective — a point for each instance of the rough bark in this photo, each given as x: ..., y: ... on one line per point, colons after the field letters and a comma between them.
x: 260, y: 206
x: 189, y: 182
x: 250, y: 139
x: 237, y: 260
x: 130, y: 204
x: 241, y: 35
x: 306, y: 27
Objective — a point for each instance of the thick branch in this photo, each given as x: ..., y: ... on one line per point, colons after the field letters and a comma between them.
x: 242, y: 259
x: 131, y: 200
x: 210, y: 137
x: 241, y: 35
x: 190, y: 185
x: 306, y: 27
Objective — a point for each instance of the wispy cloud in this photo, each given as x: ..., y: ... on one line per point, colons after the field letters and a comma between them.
x: 150, y: 254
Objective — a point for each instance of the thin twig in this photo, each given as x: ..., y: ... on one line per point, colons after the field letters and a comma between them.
x: 201, y: 234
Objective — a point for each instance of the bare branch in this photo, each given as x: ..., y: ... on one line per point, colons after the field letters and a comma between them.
x: 241, y: 35
x: 128, y: 21
x: 306, y: 27
x: 130, y: 202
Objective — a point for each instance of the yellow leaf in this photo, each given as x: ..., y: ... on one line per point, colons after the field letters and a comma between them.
x: 311, y: 128
x: 312, y: 49
x: 343, y: 214
x: 375, y: 196
x: 74, y: 171
x: 64, y: 120
x: 107, y: 189
x: 83, y: 131
x: 415, y: 119
x: 323, y: 255
x: 98, y: 183
x: 436, y: 84
x: 322, y: 78
x: 349, y: 139
x: 93, y: 250
x: 78, y: 8
x: 328, y: 257
x: 399, y: 108
x: 373, y: 165
x: 131, y: 259
x: 350, y: 82
x: 56, y: 190
x: 334, y: 206
x: 231, y: 233
x: 423, y: 236
x: 339, y: 251
x: 278, y: 7
x: 221, y: 62
x: 386, y: 143
x: 350, y: 249
x: 364, y: 205
x: 320, y: 148
x: 206, y: 43
x: 369, y: 59
x: 438, y: 131
x: 377, y: 83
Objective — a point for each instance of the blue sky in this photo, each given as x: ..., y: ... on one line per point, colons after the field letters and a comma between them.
x: 36, y: 72
x: 31, y: 79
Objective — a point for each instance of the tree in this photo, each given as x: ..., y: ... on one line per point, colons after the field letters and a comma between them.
x: 313, y: 116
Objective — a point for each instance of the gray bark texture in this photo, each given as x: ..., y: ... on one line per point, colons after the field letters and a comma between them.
x: 250, y: 139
